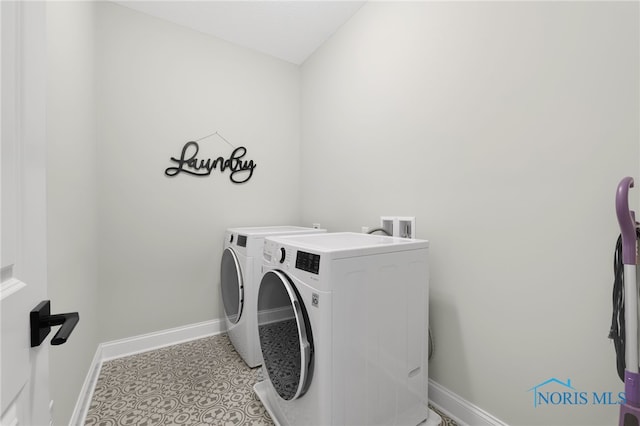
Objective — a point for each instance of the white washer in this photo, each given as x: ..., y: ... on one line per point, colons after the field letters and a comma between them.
x: 343, y: 327
x: 240, y: 273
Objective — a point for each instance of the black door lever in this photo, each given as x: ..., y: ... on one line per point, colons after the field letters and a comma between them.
x: 42, y: 320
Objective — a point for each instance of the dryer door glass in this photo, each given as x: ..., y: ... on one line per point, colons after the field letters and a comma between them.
x: 232, y: 285
x: 285, y: 335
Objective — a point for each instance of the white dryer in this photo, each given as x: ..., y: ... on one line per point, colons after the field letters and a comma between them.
x: 240, y: 273
x: 343, y: 327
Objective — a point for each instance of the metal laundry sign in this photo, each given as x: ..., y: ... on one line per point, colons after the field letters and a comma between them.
x: 240, y: 169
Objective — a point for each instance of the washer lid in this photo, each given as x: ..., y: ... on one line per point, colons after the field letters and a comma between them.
x: 285, y: 336
x: 340, y: 245
x: 232, y: 285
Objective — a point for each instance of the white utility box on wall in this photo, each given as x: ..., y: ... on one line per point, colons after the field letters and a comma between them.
x: 399, y: 226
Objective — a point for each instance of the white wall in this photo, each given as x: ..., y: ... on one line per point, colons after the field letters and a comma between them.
x: 71, y: 193
x: 161, y: 238
x: 131, y: 249
x: 504, y: 127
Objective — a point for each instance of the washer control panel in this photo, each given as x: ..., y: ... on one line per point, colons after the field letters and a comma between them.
x: 287, y: 257
x: 308, y: 262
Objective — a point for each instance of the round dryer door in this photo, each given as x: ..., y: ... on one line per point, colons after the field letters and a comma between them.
x: 285, y: 335
x: 232, y: 285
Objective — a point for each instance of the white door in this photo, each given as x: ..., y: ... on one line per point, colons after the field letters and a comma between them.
x: 286, y: 342
x: 24, y: 371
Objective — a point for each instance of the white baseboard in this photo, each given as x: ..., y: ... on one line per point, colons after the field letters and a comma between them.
x: 269, y: 316
x: 133, y: 345
x: 86, y: 392
x: 459, y: 409
x: 160, y: 339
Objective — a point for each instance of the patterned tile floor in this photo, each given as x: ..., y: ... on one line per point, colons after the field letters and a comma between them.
x: 202, y: 382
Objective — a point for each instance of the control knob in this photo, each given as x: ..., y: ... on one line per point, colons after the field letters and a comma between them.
x: 283, y: 254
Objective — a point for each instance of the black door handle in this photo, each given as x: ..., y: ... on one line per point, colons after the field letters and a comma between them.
x: 42, y: 321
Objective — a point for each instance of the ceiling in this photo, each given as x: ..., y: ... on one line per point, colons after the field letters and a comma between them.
x: 289, y: 30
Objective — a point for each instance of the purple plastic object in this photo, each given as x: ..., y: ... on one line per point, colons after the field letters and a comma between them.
x: 629, y: 415
x: 632, y: 388
x: 627, y: 221
x: 631, y: 407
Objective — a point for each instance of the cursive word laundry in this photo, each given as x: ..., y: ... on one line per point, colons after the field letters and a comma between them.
x: 240, y: 170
